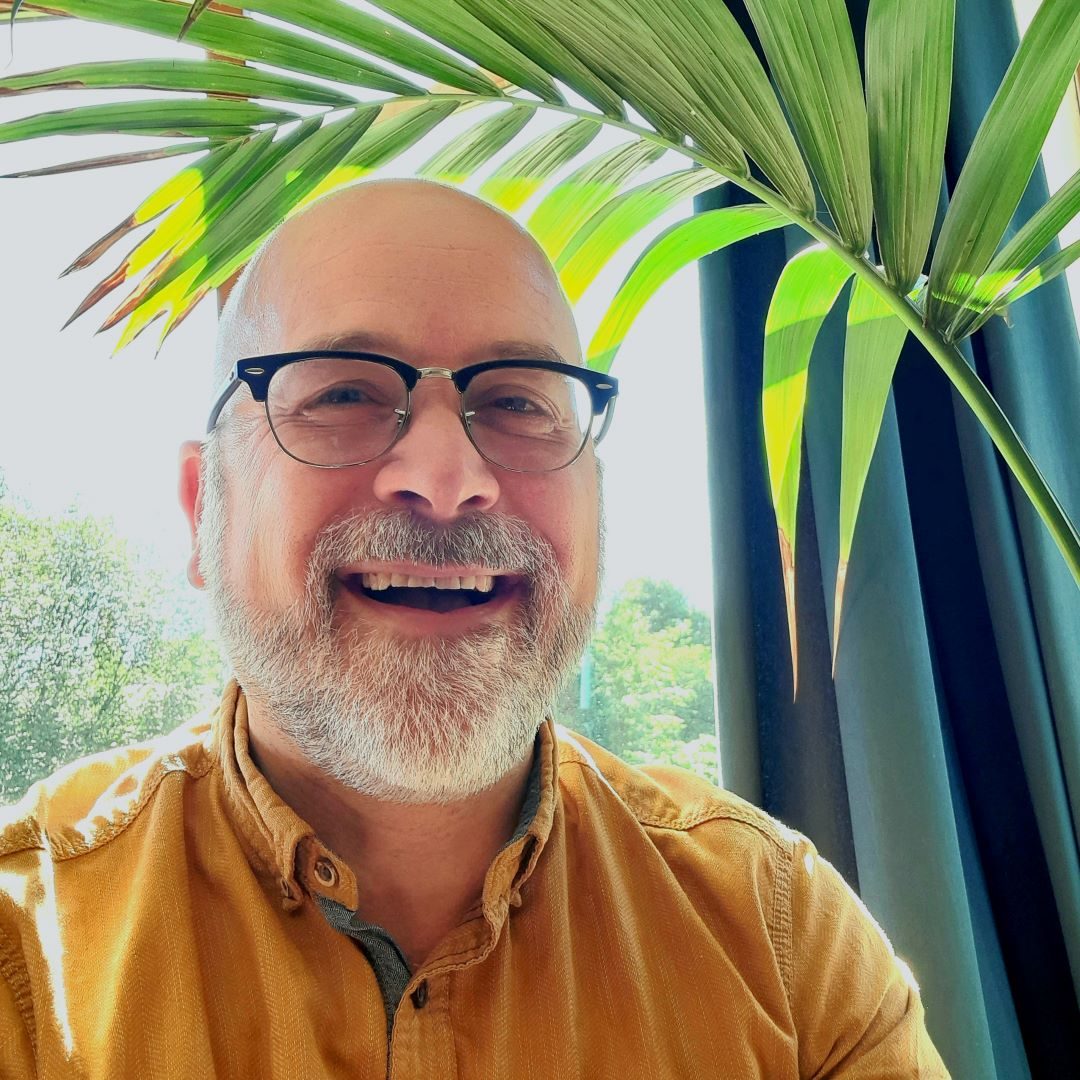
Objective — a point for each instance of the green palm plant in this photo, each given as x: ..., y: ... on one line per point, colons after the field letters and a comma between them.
x: 353, y: 88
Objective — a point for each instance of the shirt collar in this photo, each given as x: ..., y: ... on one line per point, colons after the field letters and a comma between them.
x: 291, y: 861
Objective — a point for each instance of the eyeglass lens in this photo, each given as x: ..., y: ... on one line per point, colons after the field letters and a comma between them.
x: 334, y: 411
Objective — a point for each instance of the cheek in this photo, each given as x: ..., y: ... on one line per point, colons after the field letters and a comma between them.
x: 568, y: 516
x: 273, y: 534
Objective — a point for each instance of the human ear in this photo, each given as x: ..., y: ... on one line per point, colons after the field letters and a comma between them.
x: 191, y: 501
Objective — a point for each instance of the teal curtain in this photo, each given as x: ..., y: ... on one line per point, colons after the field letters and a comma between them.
x: 940, y: 771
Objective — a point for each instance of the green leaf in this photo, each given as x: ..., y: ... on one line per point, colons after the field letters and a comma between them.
x: 626, y: 45
x: 1018, y: 254
x: 190, y: 218
x: 193, y: 197
x: 108, y: 160
x: 473, y: 148
x: 909, y: 61
x: 812, y: 56
x: 673, y: 249
x: 532, y: 39
x: 572, y: 201
x: 1002, y: 158
x: 161, y: 118
x: 449, y: 23
x: 875, y: 336
x: 1039, y: 275
x: 388, y: 137
x: 347, y: 25
x: 514, y: 182
x: 704, y: 41
x: 232, y: 237
x: 199, y: 76
x: 174, y: 190
x: 621, y: 219
x: 737, y: 87
x: 804, y: 295
x: 242, y: 38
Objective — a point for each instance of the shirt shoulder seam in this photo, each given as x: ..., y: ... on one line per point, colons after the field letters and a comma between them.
x: 760, y: 822
x: 62, y: 848
x: 780, y: 922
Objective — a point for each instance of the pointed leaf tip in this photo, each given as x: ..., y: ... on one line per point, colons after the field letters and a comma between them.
x: 787, y: 564
x: 100, y: 246
x: 197, y: 8
x: 838, y: 607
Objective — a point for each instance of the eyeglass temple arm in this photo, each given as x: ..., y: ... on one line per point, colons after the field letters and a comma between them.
x: 227, y: 392
x: 608, y: 416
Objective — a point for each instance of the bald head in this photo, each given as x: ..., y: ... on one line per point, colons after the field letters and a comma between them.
x: 437, y: 255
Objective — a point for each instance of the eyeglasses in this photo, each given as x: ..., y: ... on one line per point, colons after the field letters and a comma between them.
x: 335, y: 409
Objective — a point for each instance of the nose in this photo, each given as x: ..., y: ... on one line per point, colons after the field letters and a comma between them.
x: 433, y: 468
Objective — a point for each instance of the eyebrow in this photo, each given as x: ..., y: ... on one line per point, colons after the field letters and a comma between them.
x: 369, y: 341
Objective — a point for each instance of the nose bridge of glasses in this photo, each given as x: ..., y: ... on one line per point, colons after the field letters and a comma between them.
x: 443, y: 373
x: 452, y: 399
x: 434, y: 373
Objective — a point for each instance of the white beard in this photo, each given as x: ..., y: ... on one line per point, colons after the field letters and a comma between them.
x: 403, y: 720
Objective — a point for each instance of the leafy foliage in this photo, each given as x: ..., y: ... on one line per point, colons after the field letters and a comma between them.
x: 648, y: 694
x: 87, y: 658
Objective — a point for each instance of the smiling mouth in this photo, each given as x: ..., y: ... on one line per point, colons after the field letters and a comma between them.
x: 449, y: 595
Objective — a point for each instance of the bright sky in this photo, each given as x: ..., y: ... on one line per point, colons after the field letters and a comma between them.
x: 82, y: 427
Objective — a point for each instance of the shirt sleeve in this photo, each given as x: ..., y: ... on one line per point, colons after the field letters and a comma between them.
x: 857, y: 1009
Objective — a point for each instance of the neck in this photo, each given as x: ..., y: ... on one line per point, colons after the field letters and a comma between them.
x: 419, y: 867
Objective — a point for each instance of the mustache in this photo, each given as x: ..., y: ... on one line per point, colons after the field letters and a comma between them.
x: 488, y: 539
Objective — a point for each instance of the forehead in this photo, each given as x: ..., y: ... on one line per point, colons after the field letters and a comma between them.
x: 438, y: 282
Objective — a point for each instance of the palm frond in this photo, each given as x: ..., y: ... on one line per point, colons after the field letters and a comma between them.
x: 682, y: 86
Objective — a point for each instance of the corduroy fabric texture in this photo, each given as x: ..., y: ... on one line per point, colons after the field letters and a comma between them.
x: 158, y: 920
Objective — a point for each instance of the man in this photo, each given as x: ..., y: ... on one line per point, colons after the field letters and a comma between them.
x: 381, y: 858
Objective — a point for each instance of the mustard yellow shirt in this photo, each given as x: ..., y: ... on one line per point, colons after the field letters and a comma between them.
x: 158, y: 920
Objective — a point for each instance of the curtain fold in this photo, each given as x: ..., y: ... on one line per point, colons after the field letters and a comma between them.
x: 940, y: 771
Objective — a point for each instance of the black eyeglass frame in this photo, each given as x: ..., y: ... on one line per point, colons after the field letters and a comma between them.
x: 256, y: 372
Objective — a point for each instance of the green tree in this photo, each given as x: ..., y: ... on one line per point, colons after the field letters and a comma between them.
x: 648, y: 679
x: 94, y: 651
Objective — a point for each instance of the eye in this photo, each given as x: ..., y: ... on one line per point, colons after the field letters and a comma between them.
x: 514, y: 403
x: 341, y: 395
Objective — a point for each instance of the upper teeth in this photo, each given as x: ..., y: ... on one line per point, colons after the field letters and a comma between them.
x: 480, y: 582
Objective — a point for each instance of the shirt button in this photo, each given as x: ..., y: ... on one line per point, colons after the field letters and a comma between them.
x: 326, y: 872
x: 419, y: 996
